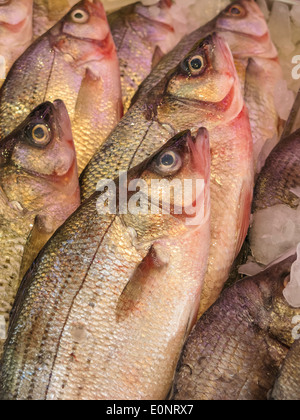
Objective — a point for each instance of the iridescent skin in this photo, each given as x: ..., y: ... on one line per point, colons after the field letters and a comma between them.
x: 15, y: 31
x: 256, y: 59
x: 137, y: 36
x: 213, y: 99
x: 30, y: 173
x: 74, y: 61
x: 286, y: 387
x: 105, y: 312
x: 236, y: 349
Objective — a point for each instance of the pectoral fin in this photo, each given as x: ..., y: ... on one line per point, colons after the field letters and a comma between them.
x: 43, y: 229
x: 141, y: 282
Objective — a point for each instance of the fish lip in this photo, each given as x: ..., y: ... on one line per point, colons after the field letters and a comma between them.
x: 13, y: 27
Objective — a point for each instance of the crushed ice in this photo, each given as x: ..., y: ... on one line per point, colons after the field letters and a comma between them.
x: 292, y: 291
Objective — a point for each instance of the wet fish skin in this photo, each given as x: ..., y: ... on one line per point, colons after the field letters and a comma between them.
x: 15, y: 30
x: 279, y: 175
x: 137, y: 36
x: 286, y: 387
x: 175, y: 104
x: 236, y: 348
x: 32, y: 169
x: 247, y: 35
x: 123, y: 306
x: 212, y: 99
x: 256, y: 61
x: 62, y: 64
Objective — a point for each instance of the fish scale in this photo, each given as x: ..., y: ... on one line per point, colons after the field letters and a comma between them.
x: 61, y: 65
x: 236, y: 349
x: 29, y: 174
x: 104, y: 315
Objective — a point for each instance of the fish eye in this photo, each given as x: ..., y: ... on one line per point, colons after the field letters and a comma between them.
x: 80, y: 16
x: 235, y: 10
x: 40, y: 134
x: 169, y: 162
x: 196, y: 65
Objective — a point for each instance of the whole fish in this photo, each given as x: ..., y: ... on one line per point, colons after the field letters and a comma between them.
x: 236, y: 348
x: 39, y: 189
x: 274, y: 229
x: 203, y: 90
x: 139, y: 37
x: 110, y: 323
x: 15, y: 32
x: 243, y: 26
x: 74, y: 61
x: 286, y: 387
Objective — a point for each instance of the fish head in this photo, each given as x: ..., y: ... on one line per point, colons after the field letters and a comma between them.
x: 38, y: 158
x: 83, y: 34
x: 244, y: 27
x: 174, y: 187
x: 205, y: 79
x: 14, y: 16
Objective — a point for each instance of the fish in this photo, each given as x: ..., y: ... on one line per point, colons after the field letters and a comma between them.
x: 37, y: 161
x: 276, y: 200
x: 139, y: 36
x: 73, y: 61
x: 46, y: 13
x: 15, y: 32
x: 280, y: 175
x: 114, y: 293
x: 236, y: 349
x: 243, y: 26
x: 210, y: 96
x: 286, y: 387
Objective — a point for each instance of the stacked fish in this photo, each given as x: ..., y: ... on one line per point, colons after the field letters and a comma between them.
x: 103, y: 272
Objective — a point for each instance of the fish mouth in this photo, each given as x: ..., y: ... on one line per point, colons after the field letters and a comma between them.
x: 204, y: 105
x: 14, y: 28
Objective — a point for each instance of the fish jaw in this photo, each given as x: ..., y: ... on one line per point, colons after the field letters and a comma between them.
x: 250, y: 21
x: 247, y: 35
x: 41, y: 170
x: 97, y: 28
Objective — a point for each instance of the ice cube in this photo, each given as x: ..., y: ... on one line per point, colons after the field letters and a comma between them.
x: 280, y: 27
x: 295, y: 15
x: 274, y: 231
x: 284, y: 99
x: 292, y: 291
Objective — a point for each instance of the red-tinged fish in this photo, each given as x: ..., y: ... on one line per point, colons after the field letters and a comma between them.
x: 203, y: 90
x: 75, y: 61
x: 39, y: 189
x: 15, y: 32
x: 140, y: 36
x: 105, y: 311
x: 244, y: 27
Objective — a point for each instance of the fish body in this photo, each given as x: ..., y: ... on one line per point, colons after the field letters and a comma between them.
x: 286, y: 387
x: 37, y: 161
x: 110, y: 323
x: 75, y: 60
x: 211, y: 97
x: 237, y: 347
x: 138, y: 36
x: 244, y: 28
x: 15, y: 32
x: 274, y: 228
